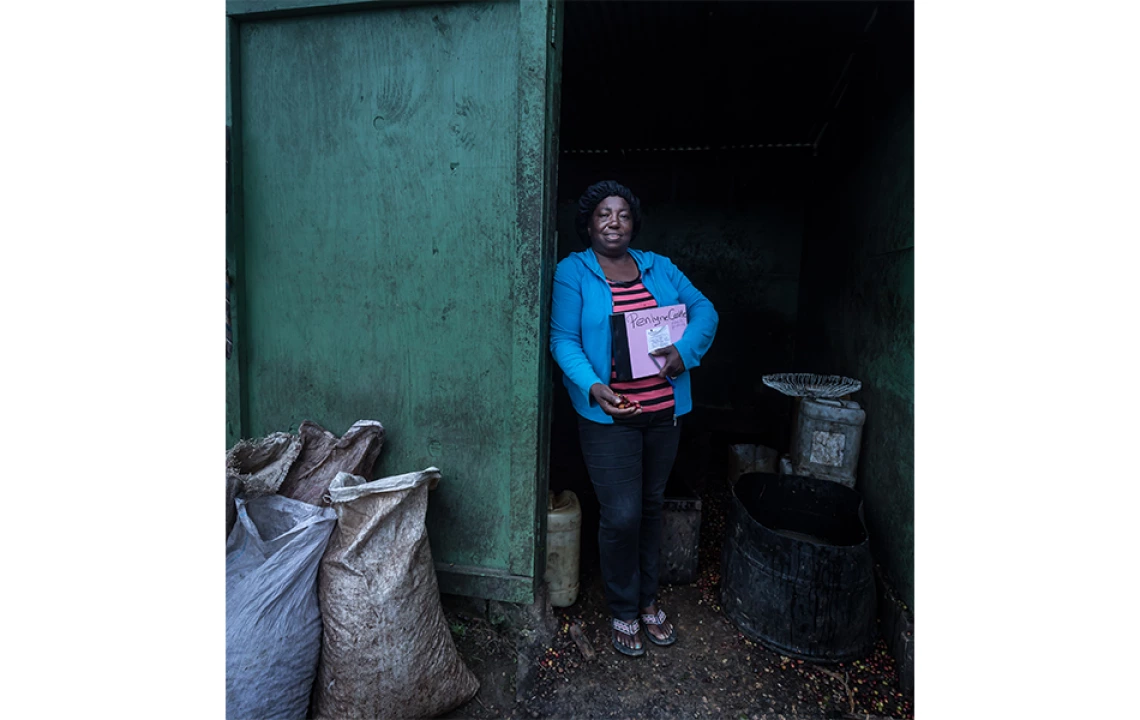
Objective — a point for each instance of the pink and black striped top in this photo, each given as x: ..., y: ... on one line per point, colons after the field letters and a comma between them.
x: 654, y: 393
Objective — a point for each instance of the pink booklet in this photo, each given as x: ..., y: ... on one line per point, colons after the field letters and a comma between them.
x: 650, y: 329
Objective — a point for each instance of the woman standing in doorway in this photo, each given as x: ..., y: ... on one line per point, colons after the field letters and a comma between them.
x: 629, y: 431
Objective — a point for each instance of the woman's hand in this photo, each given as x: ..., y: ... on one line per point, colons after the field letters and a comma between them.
x: 610, y: 402
x: 674, y: 365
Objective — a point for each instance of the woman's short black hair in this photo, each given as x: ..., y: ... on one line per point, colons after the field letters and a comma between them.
x: 598, y: 192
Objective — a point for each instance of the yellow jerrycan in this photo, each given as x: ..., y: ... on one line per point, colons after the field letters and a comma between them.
x: 563, y: 547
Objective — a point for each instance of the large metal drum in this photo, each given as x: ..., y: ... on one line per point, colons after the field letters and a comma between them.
x: 797, y: 574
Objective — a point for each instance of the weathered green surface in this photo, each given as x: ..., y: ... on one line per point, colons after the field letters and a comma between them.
x: 233, y: 243
x: 395, y: 248
x: 260, y: 9
x: 857, y: 299
x: 540, y: 56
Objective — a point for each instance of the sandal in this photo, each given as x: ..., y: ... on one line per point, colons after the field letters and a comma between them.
x: 630, y: 628
x: 659, y: 620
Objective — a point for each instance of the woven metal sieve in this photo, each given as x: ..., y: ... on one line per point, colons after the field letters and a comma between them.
x: 812, y: 385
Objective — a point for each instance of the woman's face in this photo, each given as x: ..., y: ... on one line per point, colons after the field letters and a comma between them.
x: 611, y: 227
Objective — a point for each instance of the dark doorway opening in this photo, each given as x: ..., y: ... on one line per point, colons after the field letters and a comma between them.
x: 741, y: 126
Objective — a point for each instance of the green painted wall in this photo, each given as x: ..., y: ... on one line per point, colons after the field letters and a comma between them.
x: 233, y: 236
x: 395, y: 255
x: 857, y: 281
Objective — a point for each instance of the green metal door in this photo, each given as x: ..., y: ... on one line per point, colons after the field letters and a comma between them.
x: 392, y: 239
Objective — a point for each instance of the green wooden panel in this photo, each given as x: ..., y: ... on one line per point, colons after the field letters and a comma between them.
x: 256, y: 9
x: 234, y: 223
x: 530, y: 331
x: 540, y: 32
x: 393, y: 245
x: 484, y: 582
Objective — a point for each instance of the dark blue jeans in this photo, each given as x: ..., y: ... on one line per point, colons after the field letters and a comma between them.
x: 629, y: 463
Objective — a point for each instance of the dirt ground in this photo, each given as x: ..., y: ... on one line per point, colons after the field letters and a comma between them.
x: 713, y: 671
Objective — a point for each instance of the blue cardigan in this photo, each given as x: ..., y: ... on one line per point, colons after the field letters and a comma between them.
x: 580, y: 325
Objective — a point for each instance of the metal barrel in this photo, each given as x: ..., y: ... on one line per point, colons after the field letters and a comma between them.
x: 797, y: 574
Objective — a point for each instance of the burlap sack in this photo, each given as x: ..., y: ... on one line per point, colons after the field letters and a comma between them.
x: 323, y: 455
x: 256, y: 468
x: 387, y: 651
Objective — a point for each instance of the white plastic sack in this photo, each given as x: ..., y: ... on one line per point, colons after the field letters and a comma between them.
x: 273, y: 622
x: 387, y: 651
